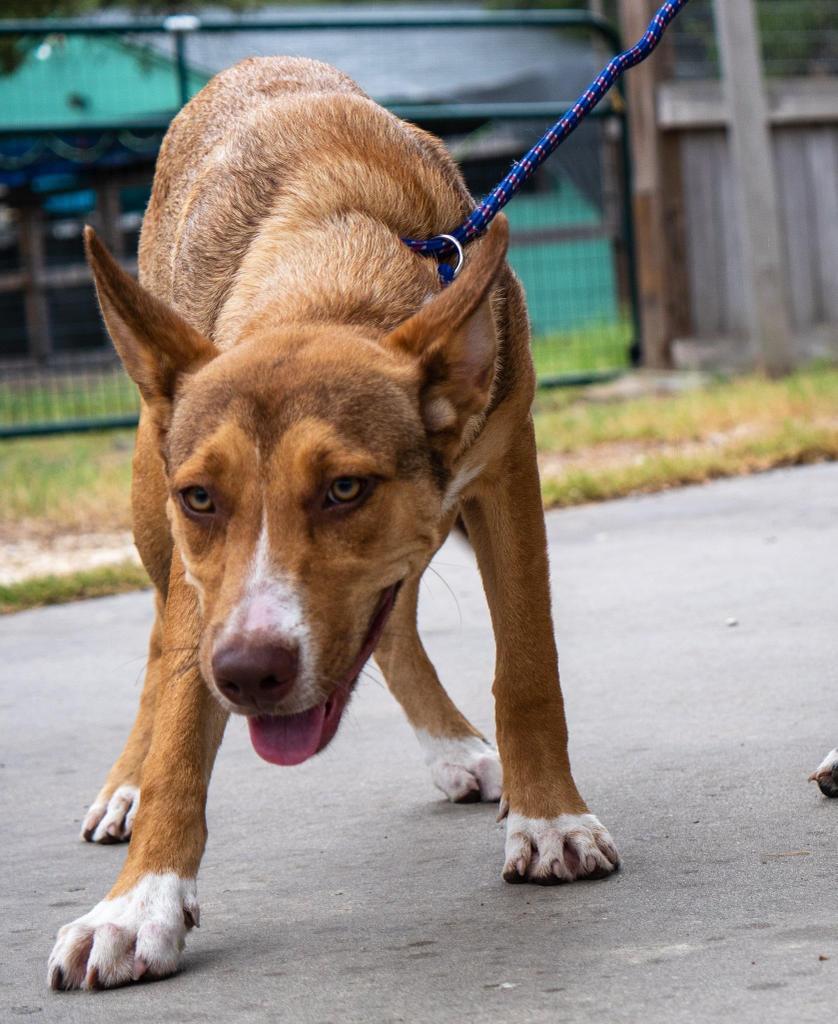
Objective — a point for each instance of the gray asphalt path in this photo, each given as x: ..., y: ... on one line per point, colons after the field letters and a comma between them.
x: 345, y: 890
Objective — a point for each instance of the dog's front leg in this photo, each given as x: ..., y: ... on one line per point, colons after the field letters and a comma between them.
x: 139, y: 928
x: 111, y: 815
x: 464, y: 765
x: 551, y: 836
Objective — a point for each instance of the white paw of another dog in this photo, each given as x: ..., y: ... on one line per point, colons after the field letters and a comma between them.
x: 140, y: 934
x: 548, y: 851
x: 466, y: 769
x: 826, y: 774
x: 111, y: 819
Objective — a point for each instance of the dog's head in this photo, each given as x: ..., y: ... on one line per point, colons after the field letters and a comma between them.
x: 310, y: 472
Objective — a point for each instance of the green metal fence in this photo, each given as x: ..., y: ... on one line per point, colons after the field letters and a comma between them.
x: 83, y: 108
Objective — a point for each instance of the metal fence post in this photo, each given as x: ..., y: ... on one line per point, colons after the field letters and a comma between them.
x: 752, y: 155
x: 179, y: 25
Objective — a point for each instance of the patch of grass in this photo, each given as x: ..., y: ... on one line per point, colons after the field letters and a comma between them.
x: 68, y: 482
x: 566, y: 424
x: 58, y: 398
x: 596, y: 348
x: 790, y: 444
x: 101, y: 582
x: 590, y: 450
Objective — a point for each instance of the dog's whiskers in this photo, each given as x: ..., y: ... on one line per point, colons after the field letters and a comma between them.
x: 448, y: 587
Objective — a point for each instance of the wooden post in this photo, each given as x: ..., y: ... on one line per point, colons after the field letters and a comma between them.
x: 655, y: 198
x: 764, y: 279
x: 109, y: 208
x: 611, y: 174
x: 36, y: 312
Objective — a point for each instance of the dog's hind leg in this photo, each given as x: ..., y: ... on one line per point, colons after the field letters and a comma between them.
x: 551, y: 836
x: 463, y: 764
x: 111, y: 815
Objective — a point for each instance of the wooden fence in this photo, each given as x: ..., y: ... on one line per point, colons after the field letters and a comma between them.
x: 736, y: 201
x: 803, y: 117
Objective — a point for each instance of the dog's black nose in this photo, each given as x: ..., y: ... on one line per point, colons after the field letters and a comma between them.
x: 255, y: 673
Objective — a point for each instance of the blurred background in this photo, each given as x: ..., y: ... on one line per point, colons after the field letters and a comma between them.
x: 629, y: 242
x: 679, y: 251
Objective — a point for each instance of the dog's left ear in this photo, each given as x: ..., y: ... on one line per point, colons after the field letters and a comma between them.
x: 156, y: 345
x: 453, y: 338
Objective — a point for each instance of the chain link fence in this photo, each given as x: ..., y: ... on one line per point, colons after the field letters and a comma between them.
x: 799, y: 39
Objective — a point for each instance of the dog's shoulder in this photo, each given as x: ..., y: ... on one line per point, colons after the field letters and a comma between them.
x: 207, y: 135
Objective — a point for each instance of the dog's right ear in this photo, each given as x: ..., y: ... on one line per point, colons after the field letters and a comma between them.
x: 155, y: 344
x: 452, y: 339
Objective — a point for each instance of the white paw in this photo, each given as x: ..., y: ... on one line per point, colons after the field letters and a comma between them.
x: 123, y: 939
x: 110, y: 820
x: 826, y: 774
x: 552, y: 850
x: 466, y: 770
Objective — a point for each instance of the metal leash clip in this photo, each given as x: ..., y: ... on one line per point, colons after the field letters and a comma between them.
x: 446, y: 271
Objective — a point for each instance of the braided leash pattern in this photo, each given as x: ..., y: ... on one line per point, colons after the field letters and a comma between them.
x: 480, y: 218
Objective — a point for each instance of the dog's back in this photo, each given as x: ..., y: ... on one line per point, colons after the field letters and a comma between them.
x: 265, y: 154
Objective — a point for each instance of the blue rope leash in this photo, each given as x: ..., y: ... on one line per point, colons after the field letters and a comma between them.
x: 481, y: 217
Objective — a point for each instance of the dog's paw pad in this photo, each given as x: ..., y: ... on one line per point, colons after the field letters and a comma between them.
x: 466, y: 770
x: 548, y: 851
x: 826, y: 774
x: 111, y: 820
x: 140, y: 934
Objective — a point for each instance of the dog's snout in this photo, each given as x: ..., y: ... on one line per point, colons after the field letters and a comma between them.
x: 255, y: 673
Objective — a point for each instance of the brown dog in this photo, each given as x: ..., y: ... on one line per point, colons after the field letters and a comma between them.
x: 317, y: 411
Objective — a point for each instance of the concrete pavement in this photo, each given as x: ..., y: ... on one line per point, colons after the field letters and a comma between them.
x: 345, y: 890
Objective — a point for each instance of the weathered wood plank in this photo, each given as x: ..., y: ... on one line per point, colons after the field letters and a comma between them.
x: 731, y: 284
x: 702, y: 104
x: 678, y: 313
x: 704, y: 255
x: 806, y: 161
x: 822, y: 158
x: 764, y: 280
x: 797, y: 210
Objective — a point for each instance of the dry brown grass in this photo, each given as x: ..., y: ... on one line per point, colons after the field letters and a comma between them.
x: 595, y: 451
x: 72, y: 483
x: 589, y: 451
x: 100, y: 582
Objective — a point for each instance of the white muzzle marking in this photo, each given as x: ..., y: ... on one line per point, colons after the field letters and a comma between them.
x: 271, y: 607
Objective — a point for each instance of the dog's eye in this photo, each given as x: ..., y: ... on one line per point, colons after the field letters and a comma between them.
x: 345, y: 489
x: 197, y: 499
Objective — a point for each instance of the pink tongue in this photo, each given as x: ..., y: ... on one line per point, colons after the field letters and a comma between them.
x: 288, y: 739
